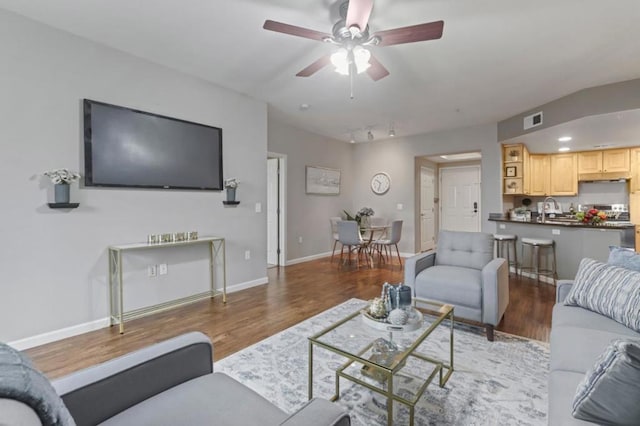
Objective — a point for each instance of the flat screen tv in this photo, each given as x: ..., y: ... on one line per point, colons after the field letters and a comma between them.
x: 125, y: 147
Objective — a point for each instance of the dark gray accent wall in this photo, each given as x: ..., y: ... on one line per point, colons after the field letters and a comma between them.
x: 605, y: 99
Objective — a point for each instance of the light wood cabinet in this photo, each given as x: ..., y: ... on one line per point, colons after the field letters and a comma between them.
x: 514, y: 156
x: 563, y: 174
x: 539, y: 176
x: 590, y: 162
x: 615, y: 160
x: 634, y: 184
x: 607, y: 161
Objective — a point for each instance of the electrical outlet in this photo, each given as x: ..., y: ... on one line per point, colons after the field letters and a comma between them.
x: 502, y: 226
x: 258, y: 207
x: 555, y: 232
x: 399, y: 206
x: 299, y: 240
x: 247, y: 255
x: 152, y: 270
x: 163, y: 269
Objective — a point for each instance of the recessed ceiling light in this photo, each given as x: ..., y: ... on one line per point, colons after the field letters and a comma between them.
x: 564, y: 139
x: 304, y: 107
x: 564, y: 149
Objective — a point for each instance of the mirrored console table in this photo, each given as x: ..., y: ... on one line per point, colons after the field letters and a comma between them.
x: 116, y: 294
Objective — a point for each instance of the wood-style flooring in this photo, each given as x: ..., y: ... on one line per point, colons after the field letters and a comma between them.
x: 294, y: 293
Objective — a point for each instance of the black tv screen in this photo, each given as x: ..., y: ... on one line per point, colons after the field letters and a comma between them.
x: 124, y: 147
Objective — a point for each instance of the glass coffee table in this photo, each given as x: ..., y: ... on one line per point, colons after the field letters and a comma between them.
x: 378, y: 354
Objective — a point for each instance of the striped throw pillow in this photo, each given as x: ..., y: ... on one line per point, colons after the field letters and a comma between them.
x: 609, y: 392
x: 609, y: 290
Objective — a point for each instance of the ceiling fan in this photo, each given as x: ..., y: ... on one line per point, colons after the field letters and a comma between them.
x: 351, y: 35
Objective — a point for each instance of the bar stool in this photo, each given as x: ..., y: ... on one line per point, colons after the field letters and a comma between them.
x: 533, y: 264
x: 504, y: 243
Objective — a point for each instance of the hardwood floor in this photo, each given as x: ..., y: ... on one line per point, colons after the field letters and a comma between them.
x: 294, y: 293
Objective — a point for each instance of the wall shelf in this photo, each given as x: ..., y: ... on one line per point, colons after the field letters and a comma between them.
x: 231, y: 203
x: 63, y: 205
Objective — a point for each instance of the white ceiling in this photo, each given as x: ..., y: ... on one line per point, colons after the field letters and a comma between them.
x: 618, y: 129
x: 496, y: 58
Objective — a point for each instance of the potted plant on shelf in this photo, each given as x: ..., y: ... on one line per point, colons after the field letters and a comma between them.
x: 231, y: 185
x: 514, y: 154
x: 61, y: 178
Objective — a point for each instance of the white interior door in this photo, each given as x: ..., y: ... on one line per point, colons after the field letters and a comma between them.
x: 272, y: 211
x: 460, y: 198
x: 427, y: 209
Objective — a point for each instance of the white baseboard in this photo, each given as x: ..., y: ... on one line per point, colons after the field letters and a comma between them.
x: 74, y: 330
x: 307, y: 258
x: 63, y: 333
x: 247, y: 284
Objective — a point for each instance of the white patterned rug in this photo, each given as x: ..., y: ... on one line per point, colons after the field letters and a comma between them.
x: 494, y: 383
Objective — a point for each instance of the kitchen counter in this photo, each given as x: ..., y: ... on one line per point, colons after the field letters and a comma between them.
x: 574, y: 241
x: 573, y: 224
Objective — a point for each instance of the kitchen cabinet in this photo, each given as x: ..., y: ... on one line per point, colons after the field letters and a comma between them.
x: 607, y: 161
x: 634, y: 184
x: 563, y: 174
x: 539, y: 174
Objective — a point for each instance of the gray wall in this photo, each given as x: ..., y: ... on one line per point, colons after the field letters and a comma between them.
x: 592, y: 101
x: 308, y: 215
x: 397, y: 158
x: 54, y: 262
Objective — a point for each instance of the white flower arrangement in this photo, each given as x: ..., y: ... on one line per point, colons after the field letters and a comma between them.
x: 62, y: 176
x: 231, y: 183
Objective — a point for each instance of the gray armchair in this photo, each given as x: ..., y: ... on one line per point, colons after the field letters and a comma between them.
x: 463, y: 273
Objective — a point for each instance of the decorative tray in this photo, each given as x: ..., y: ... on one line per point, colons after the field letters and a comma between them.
x: 414, y: 322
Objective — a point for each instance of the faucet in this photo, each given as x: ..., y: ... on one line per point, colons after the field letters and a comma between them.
x: 544, y: 206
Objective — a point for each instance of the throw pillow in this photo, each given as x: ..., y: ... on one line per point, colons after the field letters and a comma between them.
x: 608, y: 290
x: 624, y: 257
x: 609, y: 393
x: 21, y: 381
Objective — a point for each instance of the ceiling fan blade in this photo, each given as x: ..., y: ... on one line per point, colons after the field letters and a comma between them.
x: 358, y: 13
x: 279, y: 27
x: 315, y: 67
x: 421, y: 32
x: 376, y: 71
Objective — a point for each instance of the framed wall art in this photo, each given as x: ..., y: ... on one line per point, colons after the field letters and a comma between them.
x: 322, y: 181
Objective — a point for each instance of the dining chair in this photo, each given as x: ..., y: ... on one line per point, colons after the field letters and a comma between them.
x: 349, y: 237
x: 394, y: 238
x: 334, y: 233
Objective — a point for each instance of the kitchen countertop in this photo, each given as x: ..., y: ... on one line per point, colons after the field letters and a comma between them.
x: 552, y: 222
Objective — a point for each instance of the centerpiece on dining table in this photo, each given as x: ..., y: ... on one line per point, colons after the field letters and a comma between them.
x: 362, y: 217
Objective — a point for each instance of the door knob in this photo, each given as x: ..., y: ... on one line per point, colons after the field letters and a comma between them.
x: 475, y: 207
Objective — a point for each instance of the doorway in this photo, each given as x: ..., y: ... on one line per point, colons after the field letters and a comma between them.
x: 427, y: 209
x: 460, y: 198
x: 276, y: 168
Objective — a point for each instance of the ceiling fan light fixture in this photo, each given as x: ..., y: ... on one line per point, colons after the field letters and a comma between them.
x: 340, y: 60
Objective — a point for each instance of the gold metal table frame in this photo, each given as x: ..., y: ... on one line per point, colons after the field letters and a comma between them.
x: 116, y: 293
x: 443, y: 369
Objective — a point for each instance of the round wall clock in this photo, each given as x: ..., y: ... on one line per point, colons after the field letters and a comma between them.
x: 380, y: 183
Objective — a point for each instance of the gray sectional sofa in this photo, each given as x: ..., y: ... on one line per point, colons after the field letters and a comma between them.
x: 578, y: 337
x: 169, y: 383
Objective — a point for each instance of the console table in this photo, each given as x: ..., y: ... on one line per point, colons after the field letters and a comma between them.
x: 116, y: 294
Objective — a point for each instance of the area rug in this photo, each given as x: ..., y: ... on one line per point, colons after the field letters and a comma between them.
x: 494, y: 383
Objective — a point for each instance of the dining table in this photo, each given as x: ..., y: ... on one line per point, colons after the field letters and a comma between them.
x: 368, y: 232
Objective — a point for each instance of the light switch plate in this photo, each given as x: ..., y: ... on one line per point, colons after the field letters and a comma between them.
x: 258, y: 207
x: 400, y: 206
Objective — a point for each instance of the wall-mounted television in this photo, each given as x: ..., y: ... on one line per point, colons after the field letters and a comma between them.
x: 124, y: 147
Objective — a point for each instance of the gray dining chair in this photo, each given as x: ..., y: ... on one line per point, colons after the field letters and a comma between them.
x: 334, y: 233
x: 349, y: 237
x: 393, y: 240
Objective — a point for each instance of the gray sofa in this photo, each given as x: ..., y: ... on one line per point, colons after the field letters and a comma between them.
x: 462, y: 272
x: 169, y: 383
x: 578, y: 337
